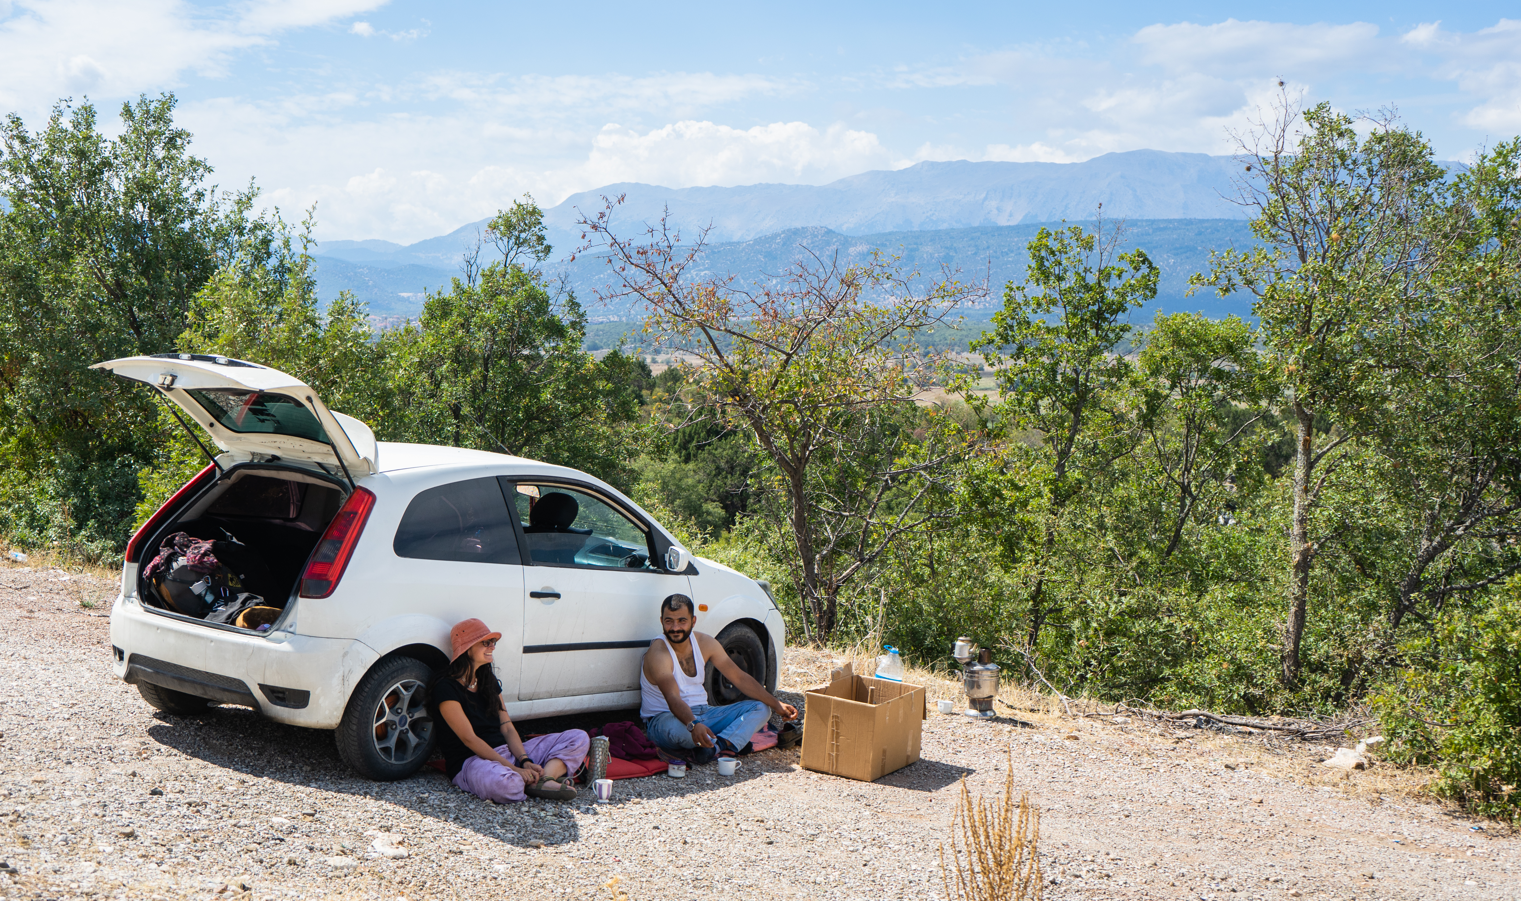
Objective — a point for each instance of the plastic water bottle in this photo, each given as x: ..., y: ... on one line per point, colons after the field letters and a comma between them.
x: 890, y: 665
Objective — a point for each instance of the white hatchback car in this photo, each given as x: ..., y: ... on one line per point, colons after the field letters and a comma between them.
x: 374, y: 550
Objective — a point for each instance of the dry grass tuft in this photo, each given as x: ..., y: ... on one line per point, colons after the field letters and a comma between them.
x: 1000, y: 843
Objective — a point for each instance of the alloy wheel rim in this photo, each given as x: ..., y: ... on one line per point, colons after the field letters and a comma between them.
x: 401, y: 725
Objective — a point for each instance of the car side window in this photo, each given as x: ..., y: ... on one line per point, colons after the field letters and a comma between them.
x: 464, y: 521
x: 564, y: 526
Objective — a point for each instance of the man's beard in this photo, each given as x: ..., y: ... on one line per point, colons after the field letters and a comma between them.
x: 676, y: 638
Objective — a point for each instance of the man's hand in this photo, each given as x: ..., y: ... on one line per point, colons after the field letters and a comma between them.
x: 787, y: 711
x: 702, y: 736
x: 538, y: 771
x: 530, y: 772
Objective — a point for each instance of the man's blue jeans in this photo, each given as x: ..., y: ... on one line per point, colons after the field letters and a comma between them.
x: 735, y: 723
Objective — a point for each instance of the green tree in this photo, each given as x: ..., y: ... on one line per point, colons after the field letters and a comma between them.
x: 1191, y: 379
x: 1340, y: 217
x: 1053, y: 348
x: 497, y: 364
x: 103, y: 244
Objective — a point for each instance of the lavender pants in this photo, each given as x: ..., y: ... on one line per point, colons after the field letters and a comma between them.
x: 491, y: 781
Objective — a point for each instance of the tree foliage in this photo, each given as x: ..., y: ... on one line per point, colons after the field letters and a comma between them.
x: 103, y: 245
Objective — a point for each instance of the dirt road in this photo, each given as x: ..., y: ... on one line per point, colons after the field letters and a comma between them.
x: 102, y: 798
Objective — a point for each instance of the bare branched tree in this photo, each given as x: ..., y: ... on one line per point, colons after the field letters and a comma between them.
x: 818, y: 364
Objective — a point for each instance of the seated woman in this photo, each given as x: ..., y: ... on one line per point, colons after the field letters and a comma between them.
x: 482, y: 751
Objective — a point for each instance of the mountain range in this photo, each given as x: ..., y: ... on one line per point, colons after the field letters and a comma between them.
x: 973, y: 215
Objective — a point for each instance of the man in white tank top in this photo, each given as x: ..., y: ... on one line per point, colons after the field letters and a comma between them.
x: 674, y: 700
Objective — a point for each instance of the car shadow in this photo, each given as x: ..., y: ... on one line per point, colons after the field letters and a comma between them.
x: 241, y: 741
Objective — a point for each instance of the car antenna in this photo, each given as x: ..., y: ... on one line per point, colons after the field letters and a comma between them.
x: 186, y: 426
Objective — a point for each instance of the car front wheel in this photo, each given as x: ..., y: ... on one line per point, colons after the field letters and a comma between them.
x: 745, y: 649
x: 387, y: 733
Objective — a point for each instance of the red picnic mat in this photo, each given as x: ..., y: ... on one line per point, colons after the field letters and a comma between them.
x: 617, y: 768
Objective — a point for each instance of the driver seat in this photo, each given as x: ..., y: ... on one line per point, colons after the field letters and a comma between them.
x: 551, y: 537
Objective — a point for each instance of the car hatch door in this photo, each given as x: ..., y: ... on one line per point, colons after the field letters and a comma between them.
x: 252, y: 409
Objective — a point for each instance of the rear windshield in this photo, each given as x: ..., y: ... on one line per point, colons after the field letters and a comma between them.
x: 261, y: 497
x: 259, y: 411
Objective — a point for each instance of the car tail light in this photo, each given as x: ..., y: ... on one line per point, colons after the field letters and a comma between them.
x: 135, y: 546
x: 332, y: 554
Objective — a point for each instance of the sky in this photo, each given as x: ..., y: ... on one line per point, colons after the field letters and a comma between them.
x: 404, y: 120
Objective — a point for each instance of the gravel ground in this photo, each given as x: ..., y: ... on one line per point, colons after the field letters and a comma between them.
x: 100, y: 797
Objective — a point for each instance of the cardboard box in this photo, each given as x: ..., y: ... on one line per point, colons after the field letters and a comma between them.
x: 862, y: 728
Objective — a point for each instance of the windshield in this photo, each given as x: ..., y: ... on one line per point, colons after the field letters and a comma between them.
x: 243, y: 411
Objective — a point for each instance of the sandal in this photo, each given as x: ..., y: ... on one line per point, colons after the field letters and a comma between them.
x: 791, y: 734
x: 563, y: 793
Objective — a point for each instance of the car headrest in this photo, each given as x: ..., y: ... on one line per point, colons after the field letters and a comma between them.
x: 555, y: 510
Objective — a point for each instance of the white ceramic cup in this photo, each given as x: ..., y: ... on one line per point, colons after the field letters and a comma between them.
x: 727, y: 766
x: 604, y: 790
x: 676, y: 770
x: 946, y: 706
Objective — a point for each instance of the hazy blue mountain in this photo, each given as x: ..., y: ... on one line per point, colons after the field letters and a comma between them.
x: 1140, y: 184
x: 960, y: 213
x: 997, y: 254
x: 389, y: 288
x: 1180, y: 247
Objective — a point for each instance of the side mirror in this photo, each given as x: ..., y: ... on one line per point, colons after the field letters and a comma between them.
x: 676, y: 559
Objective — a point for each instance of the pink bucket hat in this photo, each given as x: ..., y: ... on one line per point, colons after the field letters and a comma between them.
x: 464, y: 636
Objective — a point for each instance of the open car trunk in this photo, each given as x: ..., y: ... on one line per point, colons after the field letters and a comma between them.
x: 244, y: 541
x: 262, y: 522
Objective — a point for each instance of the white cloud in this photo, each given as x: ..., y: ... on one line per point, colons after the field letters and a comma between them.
x: 270, y: 16
x: 691, y: 153
x: 669, y: 94
x: 56, y: 48
x: 366, y: 30
x: 1261, y: 49
x: 1485, y: 64
x: 1035, y: 152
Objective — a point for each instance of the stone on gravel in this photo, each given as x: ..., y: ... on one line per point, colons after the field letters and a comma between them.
x: 1346, y: 759
x: 387, y: 845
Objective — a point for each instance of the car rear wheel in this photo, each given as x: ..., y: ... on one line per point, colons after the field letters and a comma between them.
x: 748, y: 653
x: 170, y: 701
x: 387, y: 733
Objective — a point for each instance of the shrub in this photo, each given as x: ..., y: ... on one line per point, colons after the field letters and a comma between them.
x: 1457, y: 706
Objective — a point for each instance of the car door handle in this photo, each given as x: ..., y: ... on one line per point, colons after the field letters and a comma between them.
x: 543, y: 594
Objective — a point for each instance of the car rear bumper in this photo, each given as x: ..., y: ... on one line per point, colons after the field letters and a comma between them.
x: 286, y: 677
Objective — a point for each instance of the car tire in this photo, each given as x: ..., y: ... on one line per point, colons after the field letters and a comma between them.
x: 170, y: 701
x: 387, y: 732
x: 746, y: 650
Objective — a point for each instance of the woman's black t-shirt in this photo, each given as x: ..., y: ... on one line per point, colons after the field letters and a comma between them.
x: 484, y: 721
